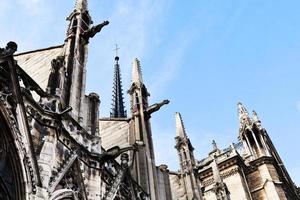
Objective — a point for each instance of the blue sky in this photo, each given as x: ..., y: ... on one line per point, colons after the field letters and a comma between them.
x: 205, y: 56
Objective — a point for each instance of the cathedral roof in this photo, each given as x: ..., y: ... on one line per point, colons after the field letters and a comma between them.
x: 37, y: 63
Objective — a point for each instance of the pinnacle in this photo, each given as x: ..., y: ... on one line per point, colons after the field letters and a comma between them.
x: 242, y: 111
x: 136, y: 72
x: 180, y: 130
x: 255, y: 116
x: 215, y: 147
x: 81, y: 5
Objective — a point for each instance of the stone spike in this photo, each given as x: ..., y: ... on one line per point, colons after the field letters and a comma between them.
x: 214, y: 144
x: 242, y: 110
x: 136, y: 72
x: 255, y: 116
x: 216, y: 172
x: 180, y: 130
x: 81, y: 5
x: 220, y: 189
x: 243, y: 115
x: 256, y: 120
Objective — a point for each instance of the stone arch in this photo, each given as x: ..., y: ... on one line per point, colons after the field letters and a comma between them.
x: 12, y: 184
x: 63, y: 194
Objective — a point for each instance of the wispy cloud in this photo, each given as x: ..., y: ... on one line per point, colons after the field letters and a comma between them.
x: 133, y: 25
x: 172, y: 62
x: 26, y: 22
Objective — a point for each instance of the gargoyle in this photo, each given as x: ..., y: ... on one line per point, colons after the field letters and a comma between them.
x: 155, y: 107
x: 91, y: 32
x: 114, y: 152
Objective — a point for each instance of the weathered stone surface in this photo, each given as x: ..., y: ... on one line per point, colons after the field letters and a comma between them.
x: 50, y: 146
x: 248, y: 170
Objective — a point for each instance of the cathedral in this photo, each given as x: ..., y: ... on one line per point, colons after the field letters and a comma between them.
x: 55, y: 146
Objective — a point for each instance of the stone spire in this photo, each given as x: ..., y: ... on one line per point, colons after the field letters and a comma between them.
x: 180, y: 130
x: 144, y: 165
x: 72, y: 79
x: 216, y: 172
x: 81, y: 5
x: 136, y: 72
x: 220, y: 189
x: 138, y: 91
x: 214, y: 144
x: 186, y: 161
x: 118, y: 108
x: 256, y: 120
x: 243, y: 116
x: 75, y: 58
x: 215, y: 150
x: 255, y: 116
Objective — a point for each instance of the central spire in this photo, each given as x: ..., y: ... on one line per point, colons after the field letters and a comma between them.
x: 118, y: 108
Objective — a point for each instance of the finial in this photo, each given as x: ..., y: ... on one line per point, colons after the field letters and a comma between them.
x: 255, y: 116
x: 215, y: 147
x: 256, y: 119
x: 180, y: 130
x: 243, y: 115
x: 116, y: 50
x: 81, y: 5
x: 136, y: 71
x: 241, y: 109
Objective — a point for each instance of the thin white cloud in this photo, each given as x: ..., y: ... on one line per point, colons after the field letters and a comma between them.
x: 172, y: 63
x: 133, y: 26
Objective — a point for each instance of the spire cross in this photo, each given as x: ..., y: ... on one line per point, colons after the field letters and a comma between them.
x: 116, y: 49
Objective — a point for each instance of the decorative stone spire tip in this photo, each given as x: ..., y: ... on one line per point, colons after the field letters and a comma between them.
x: 136, y: 72
x: 180, y: 130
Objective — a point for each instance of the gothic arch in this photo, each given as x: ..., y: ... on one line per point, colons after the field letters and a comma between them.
x: 12, y: 185
x: 63, y: 194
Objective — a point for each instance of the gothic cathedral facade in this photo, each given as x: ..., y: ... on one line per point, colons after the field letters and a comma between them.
x: 55, y: 146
